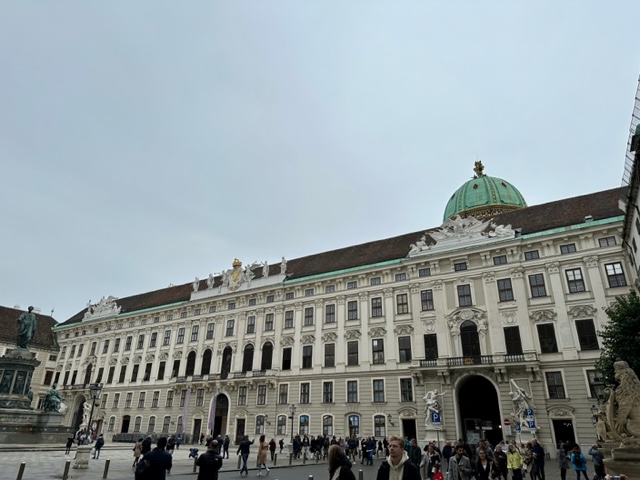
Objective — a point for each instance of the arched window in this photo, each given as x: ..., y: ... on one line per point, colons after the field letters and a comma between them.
x: 380, y: 426
x: 247, y: 359
x: 166, y: 423
x: 191, y: 364
x: 469, y: 339
x: 259, y: 424
x: 152, y: 425
x: 206, y: 362
x: 304, y: 425
x: 327, y: 425
x: 137, y: 424
x: 225, y: 366
x: 267, y: 356
x: 112, y: 424
x: 354, y: 425
x: 282, y: 425
x: 87, y: 375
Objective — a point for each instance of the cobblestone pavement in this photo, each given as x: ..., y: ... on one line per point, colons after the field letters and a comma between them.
x: 45, y: 462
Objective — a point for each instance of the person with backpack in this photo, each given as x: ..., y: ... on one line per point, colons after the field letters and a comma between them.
x: 579, y: 462
x: 154, y: 465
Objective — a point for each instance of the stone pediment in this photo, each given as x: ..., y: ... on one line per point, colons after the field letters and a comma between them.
x: 463, y: 314
x: 106, y: 307
x: 581, y: 311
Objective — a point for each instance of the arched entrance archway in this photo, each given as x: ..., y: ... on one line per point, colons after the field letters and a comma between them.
x: 126, y: 420
x: 220, y: 415
x: 78, y: 412
x: 479, y: 409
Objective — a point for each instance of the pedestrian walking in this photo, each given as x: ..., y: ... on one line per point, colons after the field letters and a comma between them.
x: 460, y: 465
x: 146, y: 445
x: 339, y: 464
x: 98, y: 446
x: 158, y: 461
x: 514, y: 462
x: 69, y: 444
x: 598, y: 462
x: 563, y: 461
x: 397, y: 465
x: 243, y: 450
x: 262, y: 455
x: 209, y: 463
x: 137, y: 451
x: 272, y: 449
x: 225, y: 447
x: 579, y: 462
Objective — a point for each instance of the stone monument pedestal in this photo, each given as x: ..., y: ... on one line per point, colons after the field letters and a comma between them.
x: 83, y: 453
x: 625, y: 460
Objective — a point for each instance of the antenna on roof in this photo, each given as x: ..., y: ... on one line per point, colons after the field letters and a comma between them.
x: 51, y: 312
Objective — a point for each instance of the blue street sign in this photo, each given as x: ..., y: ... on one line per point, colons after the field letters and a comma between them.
x: 528, y: 412
x: 435, y: 417
x: 531, y: 424
x: 517, y: 427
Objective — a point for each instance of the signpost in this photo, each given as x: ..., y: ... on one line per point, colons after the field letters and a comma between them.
x: 436, y: 422
x: 531, y: 423
x: 507, y: 427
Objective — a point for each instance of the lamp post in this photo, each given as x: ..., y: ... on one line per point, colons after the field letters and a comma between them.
x: 292, y: 410
x: 598, y: 393
x: 94, y: 391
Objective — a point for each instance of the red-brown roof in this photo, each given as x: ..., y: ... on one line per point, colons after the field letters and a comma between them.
x: 44, y: 337
x: 537, y: 218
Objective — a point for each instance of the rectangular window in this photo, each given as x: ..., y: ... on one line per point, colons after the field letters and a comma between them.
x: 305, y: 389
x: 153, y: 340
x: 568, y: 248
x: 536, y: 284
x: 430, y: 346
x: 140, y: 344
x: 327, y: 392
x: 352, y: 391
x: 615, y: 275
x: 329, y: 354
x: 288, y: 319
x: 404, y: 349
x: 197, y: 311
x: 128, y: 399
x: 426, y: 298
x: 378, y: 351
x: 596, y: 387
x: 194, y: 333
x: 166, y: 340
x: 175, y: 371
x: 402, y: 304
x: 352, y: 310
x: 112, y: 371
x: 141, y: 399
x: 252, y: 302
x: 352, y: 284
x: 152, y: 424
x: 105, y: 346
x: 80, y: 349
x: 289, y: 296
x: 161, y: 368
x: 286, y: 358
x: 116, y: 346
x: 555, y: 386
x: 330, y: 313
x: 155, y: 399
x: 268, y: 322
x: 424, y: 272
x: 230, y: 326
x: 251, y: 324
x: 547, y: 338
x: 147, y: 372
x: 165, y: 424
x: 459, y: 266
x: 103, y: 402
x: 127, y: 345
x: 283, y: 393
x: 270, y: 299
x: 199, y: 397
x: 180, y: 338
x: 134, y: 373
x: 183, y: 397
x: 575, y: 282
x: 123, y: 373
x: 376, y: 307
x: 378, y: 391
x: 242, y: 395
x: 47, y: 379
x: 116, y: 400
x: 212, y: 309
x: 94, y: 345
x: 375, y: 281
x: 262, y: 395
x: 607, y: 241
x: 531, y: 255
x: 400, y: 277
x: 352, y: 353
x: 500, y: 260
x: 512, y: 340
x: 210, y: 330
x: 308, y: 316
x: 169, y: 401
x: 464, y: 296
x: 308, y: 292
x: 406, y: 390
x: 505, y: 292
x: 231, y: 305
x: 112, y: 424
x: 587, y: 335
x: 329, y: 288
x: 307, y: 356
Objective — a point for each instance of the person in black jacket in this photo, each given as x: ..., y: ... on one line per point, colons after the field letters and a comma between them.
x: 415, y: 454
x: 209, y: 462
x: 159, y: 461
x: 398, y: 460
x: 243, y: 450
x: 339, y: 464
x: 146, y: 446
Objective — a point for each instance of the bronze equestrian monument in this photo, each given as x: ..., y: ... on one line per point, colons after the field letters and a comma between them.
x: 19, y: 422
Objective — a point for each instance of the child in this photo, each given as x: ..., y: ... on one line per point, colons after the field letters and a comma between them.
x: 437, y: 474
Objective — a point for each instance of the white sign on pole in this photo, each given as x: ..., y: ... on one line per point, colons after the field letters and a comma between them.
x: 507, y: 430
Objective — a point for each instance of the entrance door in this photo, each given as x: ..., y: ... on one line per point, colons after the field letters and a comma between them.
x: 220, y: 416
x: 240, y: 424
x: 479, y: 410
x: 125, y: 424
x: 563, y: 432
x: 409, y: 428
x: 197, y: 425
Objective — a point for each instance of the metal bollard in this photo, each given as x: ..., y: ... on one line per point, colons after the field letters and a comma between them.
x: 195, y: 466
x: 275, y: 459
x: 304, y: 458
x: 21, y: 471
x: 106, y: 468
x: 317, y: 458
x: 360, y: 475
x: 65, y: 475
x: 290, y: 458
x: 310, y: 477
x: 239, y: 460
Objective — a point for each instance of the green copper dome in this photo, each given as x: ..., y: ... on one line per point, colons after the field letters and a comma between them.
x: 483, y: 196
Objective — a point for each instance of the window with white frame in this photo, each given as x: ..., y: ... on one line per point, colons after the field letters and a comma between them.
x: 555, y: 387
x: 268, y: 322
x: 378, y: 351
x: 568, y: 248
x: 505, y: 290
x: 281, y: 425
x: 329, y: 288
x: 141, y: 399
x: 575, y: 282
x: 400, y: 277
x: 283, y: 393
x: 137, y: 425
x: 305, y: 389
x: 199, y: 397
x: 352, y: 391
x: 304, y: 425
x: 194, y: 333
x: 352, y: 310
x: 615, y: 275
x: 464, y: 295
x: 352, y: 353
x: 376, y: 307
x: 375, y: 281
x: 327, y: 425
x: 152, y: 424
x: 404, y: 349
x: 112, y: 424
x: 378, y: 390
x: 402, y: 304
x: 155, y: 399
x: 406, y: 390
x: 424, y: 272
x: 230, y: 326
x: 180, y: 338
x: 251, y: 324
x: 242, y: 395
x: 354, y: 425
x: 352, y: 284
x: 330, y: 313
x: 169, y: 400
x: 210, y: 329
x: 262, y: 395
x: 607, y: 241
x: 128, y: 400
x: 166, y: 422
x: 327, y: 392
x: 308, y: 316
x: 288, y: 319
x: 426, y: 299
x: 380, y: 426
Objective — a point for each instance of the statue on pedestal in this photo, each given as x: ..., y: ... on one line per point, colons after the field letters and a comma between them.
x: 521, y: 401
x: 432, y: 404
x: 623, y: 407
x: 52, y: 400
x: 26, y: 328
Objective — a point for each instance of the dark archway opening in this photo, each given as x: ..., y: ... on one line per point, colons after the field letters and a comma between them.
x: 220, y: 416
x: 247, y: 359
x: 225, y: 367
x: 479, y: 410
x: 267, y: 356
x: 87, y: 375
x: 191, y: 364
x: 126, y: 421
x: 206, y: 363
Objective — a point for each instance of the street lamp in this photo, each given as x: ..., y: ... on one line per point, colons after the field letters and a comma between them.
x: 94, y: 391
x: 292, y: 410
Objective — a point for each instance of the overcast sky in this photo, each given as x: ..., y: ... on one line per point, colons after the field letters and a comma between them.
x: 145, y: 143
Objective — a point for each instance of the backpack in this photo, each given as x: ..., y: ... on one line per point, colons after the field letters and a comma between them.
x: 142, y: 469
x: 577, y: 460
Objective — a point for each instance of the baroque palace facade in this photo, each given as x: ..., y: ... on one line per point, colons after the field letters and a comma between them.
x: 500, y: 297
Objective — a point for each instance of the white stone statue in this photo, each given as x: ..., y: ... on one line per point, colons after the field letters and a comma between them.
x: 265, y: 269
x: 63, y: 408
x: 521, y: 401
x: 432, y: 404
x: 210, y: 281
x: 196, y: 284
x: 623, y: 406
x: 283, y: 266
x: 86, y: 412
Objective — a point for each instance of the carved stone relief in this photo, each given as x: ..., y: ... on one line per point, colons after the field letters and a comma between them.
x: 352, y: 334
x: 329, y: 337
x: 377, y: 332
x: 510, y: 317
x: 544, y: 315
x: 582, y: 311
x: 306, y: 339
x: 403, y: 330
x: 286, y: 341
